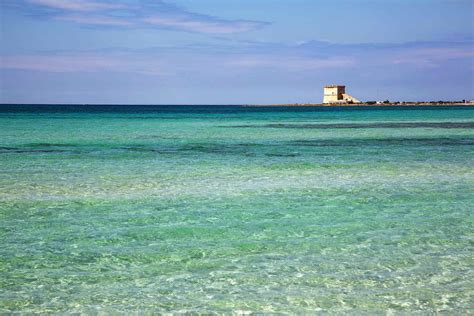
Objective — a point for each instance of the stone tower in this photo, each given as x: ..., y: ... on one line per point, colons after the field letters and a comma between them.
x: 335, y: 94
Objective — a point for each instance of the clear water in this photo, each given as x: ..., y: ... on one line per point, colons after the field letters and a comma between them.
x: 230, y: 209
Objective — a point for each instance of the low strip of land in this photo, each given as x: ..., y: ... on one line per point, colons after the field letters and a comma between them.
x: 369, y: 104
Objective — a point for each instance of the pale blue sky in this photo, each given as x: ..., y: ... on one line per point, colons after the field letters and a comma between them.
x: 234, y: 51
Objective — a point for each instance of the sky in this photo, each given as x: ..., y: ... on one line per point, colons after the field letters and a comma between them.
x: 234, y: 51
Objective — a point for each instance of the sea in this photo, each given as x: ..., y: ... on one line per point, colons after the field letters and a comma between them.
x: 236, y: 210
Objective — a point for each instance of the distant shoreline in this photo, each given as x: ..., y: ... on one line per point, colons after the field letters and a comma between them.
x: 406, y: 104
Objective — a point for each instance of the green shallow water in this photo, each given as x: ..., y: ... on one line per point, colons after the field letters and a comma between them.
x: 228, y: 209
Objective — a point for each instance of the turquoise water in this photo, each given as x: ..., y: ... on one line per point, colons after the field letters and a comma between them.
x: 228, y: 209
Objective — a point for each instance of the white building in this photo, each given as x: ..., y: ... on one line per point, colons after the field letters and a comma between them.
x: 335, y: 94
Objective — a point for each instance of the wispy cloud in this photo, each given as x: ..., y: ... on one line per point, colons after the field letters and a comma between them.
x: 305, y: 59
x: 202, y: 24
x: 169, y: 61
x: 292, y: 63
x: 417, y: 54
x: 143, y: 14
x: 86, y: 62
x: 432, y: 57
x: 94, y: 20
x: 76, y: 5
